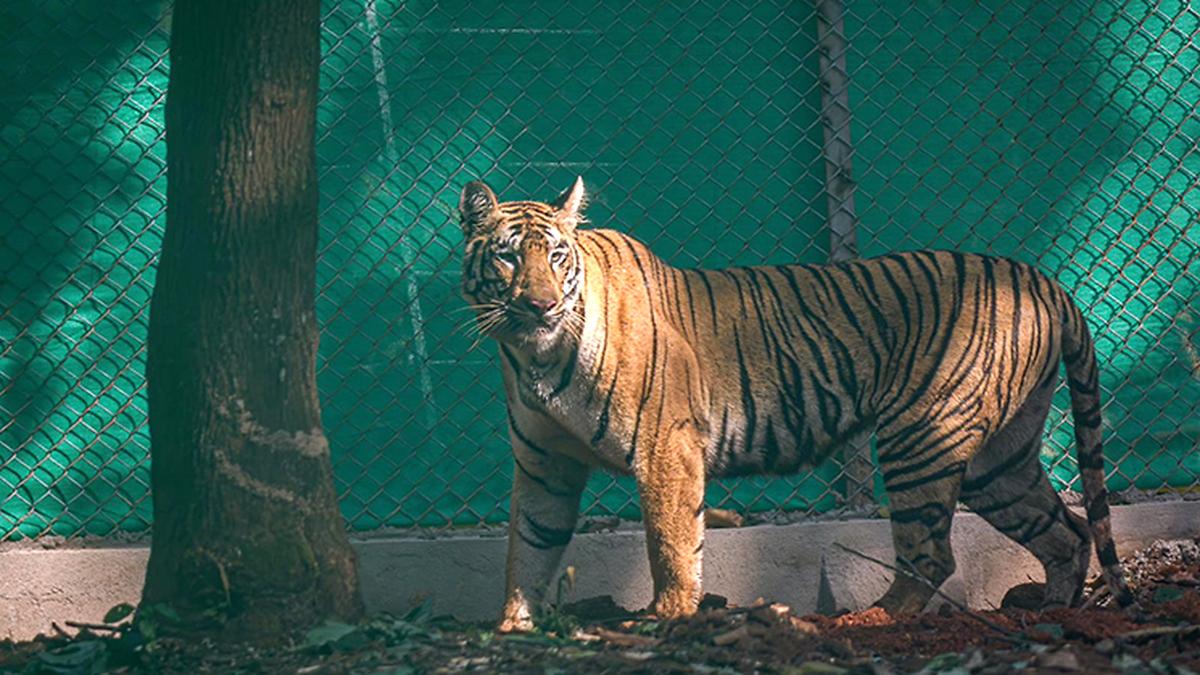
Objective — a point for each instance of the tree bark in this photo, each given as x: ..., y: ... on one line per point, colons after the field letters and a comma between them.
x: 247, y: 532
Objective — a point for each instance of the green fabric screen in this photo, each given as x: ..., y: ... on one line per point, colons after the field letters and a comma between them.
x: 1063, y: 135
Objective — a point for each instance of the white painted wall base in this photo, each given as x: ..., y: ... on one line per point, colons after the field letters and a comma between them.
x: 795, y: 564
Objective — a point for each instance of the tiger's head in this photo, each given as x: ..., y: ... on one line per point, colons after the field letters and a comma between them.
x: 522, y: 267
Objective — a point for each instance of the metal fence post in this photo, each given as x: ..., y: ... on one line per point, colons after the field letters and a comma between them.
x: 839, y: 192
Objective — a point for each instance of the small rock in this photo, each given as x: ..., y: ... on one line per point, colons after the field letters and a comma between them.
x: 1106, y: 646
x: 713, y: 601
x: 1053, y: 631
x: 720, y: 518
x: 1024, y: 596
x: 1060, y: 659
x: 770, y: 614
x: 802, y: 626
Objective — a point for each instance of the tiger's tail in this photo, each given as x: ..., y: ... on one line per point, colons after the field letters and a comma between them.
x: 1079, y: 356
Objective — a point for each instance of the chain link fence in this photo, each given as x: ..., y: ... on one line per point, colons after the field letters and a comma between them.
x: 1062, y: 134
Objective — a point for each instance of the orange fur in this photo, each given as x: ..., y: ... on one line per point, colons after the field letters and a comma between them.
x: 612, y: 359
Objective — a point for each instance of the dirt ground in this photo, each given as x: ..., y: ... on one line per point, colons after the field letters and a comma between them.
x: 596, y: 636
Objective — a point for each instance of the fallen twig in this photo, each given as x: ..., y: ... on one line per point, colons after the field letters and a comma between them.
x: 618, y: 620
x: 95, y: 626
x: 1094, y: 598
x: 624, y: 639
x: 1143, y: 634
x: 1005, y: 634
x: 730, y: 637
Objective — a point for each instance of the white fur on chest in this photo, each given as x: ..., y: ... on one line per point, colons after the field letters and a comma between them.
x: 579, y: 408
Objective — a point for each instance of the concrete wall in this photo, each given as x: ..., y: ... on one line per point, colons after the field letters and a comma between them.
x: 795, y: 564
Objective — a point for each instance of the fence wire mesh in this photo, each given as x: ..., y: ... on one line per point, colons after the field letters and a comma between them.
x: 1062, y: 134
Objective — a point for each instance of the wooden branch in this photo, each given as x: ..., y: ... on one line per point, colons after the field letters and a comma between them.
x: 112, y: 628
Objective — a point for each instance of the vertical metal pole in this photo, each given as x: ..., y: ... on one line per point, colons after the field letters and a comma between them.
x: 407, y: 251
x: 839, y: 191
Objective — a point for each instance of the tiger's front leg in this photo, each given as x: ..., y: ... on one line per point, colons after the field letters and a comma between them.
x: 670, y: 479
x: 545, y: 504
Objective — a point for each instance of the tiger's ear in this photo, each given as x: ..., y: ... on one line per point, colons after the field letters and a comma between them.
x: 570, y: 205
x: 476, y: 205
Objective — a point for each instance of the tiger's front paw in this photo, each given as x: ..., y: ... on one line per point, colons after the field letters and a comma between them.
x: 516, y: 617
x: 509, y: 625
x: 676, y: 603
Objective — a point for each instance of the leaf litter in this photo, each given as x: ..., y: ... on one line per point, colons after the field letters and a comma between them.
x: 598, y: 636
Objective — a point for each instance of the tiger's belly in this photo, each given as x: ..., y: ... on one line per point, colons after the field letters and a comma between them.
x: 604, y: 433
x: 775, y: 439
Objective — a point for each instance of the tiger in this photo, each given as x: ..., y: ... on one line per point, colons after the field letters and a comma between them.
x: 614, y: 360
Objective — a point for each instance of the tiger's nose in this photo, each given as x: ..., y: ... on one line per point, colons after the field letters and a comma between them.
x: 542, y: 305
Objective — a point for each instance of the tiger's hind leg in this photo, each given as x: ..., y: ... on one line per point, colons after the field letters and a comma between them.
x: 1006, y: 485
x: 922, y: 465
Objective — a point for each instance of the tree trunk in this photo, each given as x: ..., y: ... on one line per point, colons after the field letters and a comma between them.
x: 247, y: 532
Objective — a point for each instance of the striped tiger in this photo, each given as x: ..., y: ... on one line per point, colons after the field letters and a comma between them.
x: 614, y: 360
